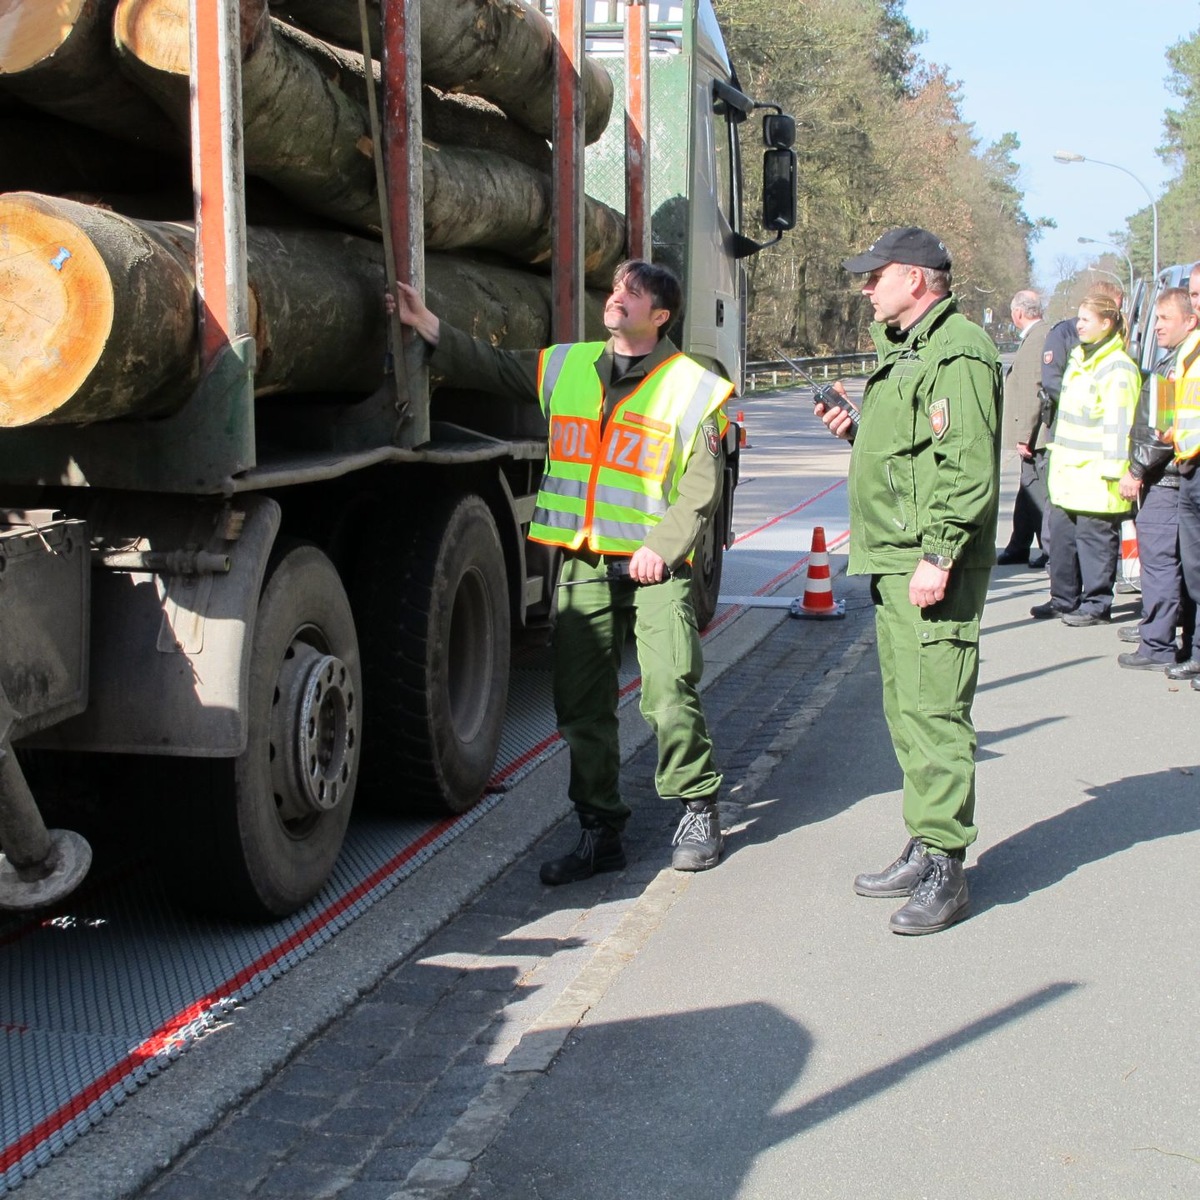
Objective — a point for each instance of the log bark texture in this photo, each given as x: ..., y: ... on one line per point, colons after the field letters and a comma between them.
x: 58, y: 57
x: 307, y: 135
x: 99, y: 311
x: 499, y: 49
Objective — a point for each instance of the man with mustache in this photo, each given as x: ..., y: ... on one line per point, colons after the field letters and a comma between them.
x: 635, y: 466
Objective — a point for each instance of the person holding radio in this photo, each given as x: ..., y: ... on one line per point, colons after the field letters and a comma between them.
x: 924, y: 488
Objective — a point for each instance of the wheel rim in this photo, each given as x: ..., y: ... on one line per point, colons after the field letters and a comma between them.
x: 314, y: 736
x: 470, y: 656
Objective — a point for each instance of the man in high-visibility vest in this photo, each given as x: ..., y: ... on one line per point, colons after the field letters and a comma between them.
x: 1186, y: 436
x: 634, y: 467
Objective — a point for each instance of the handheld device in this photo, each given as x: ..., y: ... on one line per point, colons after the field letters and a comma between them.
x: 824, y: 393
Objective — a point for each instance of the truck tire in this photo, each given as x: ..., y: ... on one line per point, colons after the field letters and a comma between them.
x: 265, y: 828
x: 432, y: 603
x: 706, y: 567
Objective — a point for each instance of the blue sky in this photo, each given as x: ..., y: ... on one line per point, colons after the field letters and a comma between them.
x: 1064, y: 75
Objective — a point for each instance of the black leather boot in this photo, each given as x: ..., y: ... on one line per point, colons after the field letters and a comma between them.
x: 939, y: 899
x: 698, y: 839
x: 900, y: 878
x: 599, y: 849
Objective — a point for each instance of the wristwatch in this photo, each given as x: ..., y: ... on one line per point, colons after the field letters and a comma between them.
x: 943, y: 562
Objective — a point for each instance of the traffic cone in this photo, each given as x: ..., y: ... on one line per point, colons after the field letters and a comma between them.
x: 818, y: 598
x: 743, y: 432
x: 1131, y: 563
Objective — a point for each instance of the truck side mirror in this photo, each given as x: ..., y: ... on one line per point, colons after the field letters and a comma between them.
x: 779, y: 131
x: 779, y: 188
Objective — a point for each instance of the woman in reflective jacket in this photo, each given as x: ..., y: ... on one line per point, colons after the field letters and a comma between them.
x: 1087, y: 457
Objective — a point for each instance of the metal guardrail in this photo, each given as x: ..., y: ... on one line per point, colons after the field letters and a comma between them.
x: 771, y: 374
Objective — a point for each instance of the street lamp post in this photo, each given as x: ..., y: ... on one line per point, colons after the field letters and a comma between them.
x: 1069, y: 156
x: 1128, y: 261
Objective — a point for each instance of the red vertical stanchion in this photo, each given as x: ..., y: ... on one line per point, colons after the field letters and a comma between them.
x: 637, y: 124
x: 217, y: 175
x: 567, y: 222
x: 402, y: 160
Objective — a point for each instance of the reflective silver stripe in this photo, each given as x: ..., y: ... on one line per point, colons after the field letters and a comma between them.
x: 556, y: 485
x: 1117, y: 365
x: 627, y: 498
x: 697, y: 407
x: 555, y: 360
x: 1086, y: 447
x: 625, y: 530
x: 557, y: 520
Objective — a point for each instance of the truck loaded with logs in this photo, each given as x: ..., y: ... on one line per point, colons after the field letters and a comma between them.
x: 240, y: 525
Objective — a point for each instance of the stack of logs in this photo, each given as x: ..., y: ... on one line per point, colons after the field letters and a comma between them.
x: 97, y: 245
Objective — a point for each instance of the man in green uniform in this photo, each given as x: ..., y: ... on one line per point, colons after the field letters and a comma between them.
x: 924, y: 490
x: 635, y: 466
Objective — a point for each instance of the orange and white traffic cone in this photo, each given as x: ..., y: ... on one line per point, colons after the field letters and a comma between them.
x: 1131, y: 563
x: 743, y: 432
x: 818, y: 598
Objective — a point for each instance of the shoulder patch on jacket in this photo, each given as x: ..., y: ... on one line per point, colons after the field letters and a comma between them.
x: 1048, y: 357
x: 712, y: 439
x: 939, y: 417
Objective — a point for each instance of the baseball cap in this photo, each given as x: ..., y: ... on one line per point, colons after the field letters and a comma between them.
x: 911, y: 246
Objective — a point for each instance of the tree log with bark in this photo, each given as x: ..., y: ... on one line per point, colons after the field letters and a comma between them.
x: 502, y: 50
x: 99, y: 311
x: 305, y: 133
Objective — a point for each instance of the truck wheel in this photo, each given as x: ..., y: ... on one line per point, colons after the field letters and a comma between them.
x: 268, y: 825
x: 432, y: 602
x: 706, y: 567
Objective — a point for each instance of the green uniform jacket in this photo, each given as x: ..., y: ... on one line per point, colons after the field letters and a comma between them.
x: 465, y: 361
x: 925, y: 468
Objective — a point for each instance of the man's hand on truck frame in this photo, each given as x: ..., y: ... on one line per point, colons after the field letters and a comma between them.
x: 410, y: 308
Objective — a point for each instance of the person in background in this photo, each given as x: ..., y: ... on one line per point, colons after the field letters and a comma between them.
x: 1062, y: 338
x: 1152, y: 482
x: 924, y: 490
x: 634, y: 467
x: 1022, y: 417
x: 1087, y: 456
x: 1186, y: 438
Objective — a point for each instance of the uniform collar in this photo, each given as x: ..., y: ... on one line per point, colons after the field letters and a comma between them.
x: 663, y: 349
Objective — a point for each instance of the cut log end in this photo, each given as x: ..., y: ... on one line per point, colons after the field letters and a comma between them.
x: 31, y: 33
x: 56, y: 309
x: 156, y: 33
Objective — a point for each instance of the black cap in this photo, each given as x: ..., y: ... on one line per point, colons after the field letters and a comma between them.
x: 911, y: 246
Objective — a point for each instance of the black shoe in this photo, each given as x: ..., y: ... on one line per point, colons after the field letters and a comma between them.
x: 1139, y: 662
x: 1129, y: 633
x: 698, y: 839
x: 599, y: 849
x: 1043, y: 612
x: 1185, y: 670
x: 1124, y: 588
x: 1037, y: 562
x: 1008, y: 556
x: 939, y: 899
x: 1081, y: 620
x: 900, y: 878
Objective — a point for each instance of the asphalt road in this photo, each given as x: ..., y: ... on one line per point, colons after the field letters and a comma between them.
x: 754, y: 1031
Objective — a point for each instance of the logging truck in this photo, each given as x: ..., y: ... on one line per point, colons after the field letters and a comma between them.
x: 246, y: 542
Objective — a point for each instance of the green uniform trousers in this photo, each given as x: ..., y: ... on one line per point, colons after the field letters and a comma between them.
x: 593, y: 626
x: 929, y: 660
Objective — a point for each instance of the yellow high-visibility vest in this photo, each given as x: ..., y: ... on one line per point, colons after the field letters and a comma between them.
x: 1090, y: 449
x: 607, y: 491
x: 1186, y: 433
